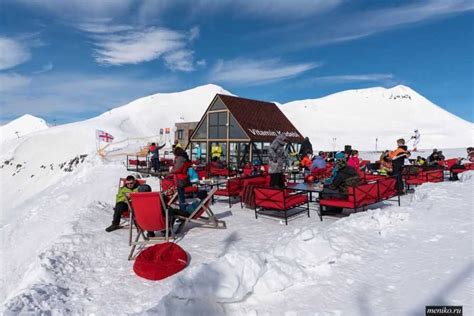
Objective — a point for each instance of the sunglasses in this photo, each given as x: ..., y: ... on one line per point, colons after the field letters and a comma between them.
x: 127, y: 183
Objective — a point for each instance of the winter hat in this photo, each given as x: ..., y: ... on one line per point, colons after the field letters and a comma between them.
x: 340, y: 155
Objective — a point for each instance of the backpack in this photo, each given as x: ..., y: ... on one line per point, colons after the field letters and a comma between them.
x: 192, y: 175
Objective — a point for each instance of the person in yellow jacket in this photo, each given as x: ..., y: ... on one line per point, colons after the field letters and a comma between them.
x: 130, y: 185
x: 216, y: 152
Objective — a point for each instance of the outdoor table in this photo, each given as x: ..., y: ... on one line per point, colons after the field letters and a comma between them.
x: 309, y: 188
x: 293, y: 173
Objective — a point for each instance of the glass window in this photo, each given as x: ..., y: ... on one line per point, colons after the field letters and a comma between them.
x: 235, y: 132
x: 180, y: 134
x: 236, y: 154
x: 199, y: 151
x: 218, y: 105
x: 201, y: 133
x: 218, y: 125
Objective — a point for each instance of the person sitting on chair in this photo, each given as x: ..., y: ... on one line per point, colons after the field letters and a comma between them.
x: 188, y: 210
x: 130, y: 185
x: 345, y: 177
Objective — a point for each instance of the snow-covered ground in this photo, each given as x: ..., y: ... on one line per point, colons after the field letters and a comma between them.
x: 56, y: 257
x: 57, y: 196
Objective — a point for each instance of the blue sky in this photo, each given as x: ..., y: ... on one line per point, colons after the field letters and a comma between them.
x: 71, y: 60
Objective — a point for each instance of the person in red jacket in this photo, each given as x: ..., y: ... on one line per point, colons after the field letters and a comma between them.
x: 180, y: 174
x: 354, y: 160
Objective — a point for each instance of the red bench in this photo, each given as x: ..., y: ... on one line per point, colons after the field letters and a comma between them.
x: 423, y: 176
x: 467, y: 166
x: 278, y: 202
x: 232, y: 189
x: 221, y: 172
x: 364, y: 194
x: 246, y: 195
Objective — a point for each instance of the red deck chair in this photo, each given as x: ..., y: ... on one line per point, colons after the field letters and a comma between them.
x: 147, y: 212
x: 209, y: 220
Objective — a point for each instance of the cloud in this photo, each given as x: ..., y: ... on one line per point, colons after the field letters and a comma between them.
x: 354, y: 78
x: 13, y: 81
x: 277, y: 10
x: 70, y: 96
x: 254, y: 72
x: 80, y: 10
x: 375, y: 21
x: 137, y: 46
x: 120, y: 45
x: 348, y: 25
x: 13, y: 53
x: 180, y: 60
x: 45, y: 68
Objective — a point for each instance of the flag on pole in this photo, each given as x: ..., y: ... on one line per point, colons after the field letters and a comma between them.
x: 103, y: 136
x: 167, y: 130
x: 161, y: 131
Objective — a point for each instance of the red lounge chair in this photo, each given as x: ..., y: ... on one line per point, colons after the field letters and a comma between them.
x: 274, y: 202
x: 167, y: 183
x: 208, y: 221
x: 364, y: 194
x: 147, y: 210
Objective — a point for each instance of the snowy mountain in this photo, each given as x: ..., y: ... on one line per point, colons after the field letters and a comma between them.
x: 21, y: 126
x: 358, y: 117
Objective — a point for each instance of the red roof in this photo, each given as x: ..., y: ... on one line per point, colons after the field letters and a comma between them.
x: 261, y: 120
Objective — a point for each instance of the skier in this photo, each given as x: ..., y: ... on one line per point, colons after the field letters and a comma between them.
x: 416, y: 138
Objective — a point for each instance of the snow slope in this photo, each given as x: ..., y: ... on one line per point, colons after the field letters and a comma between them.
x: 358, y: 117
x: 33, y: 159
x: 388, y: 260
x: 23, y: 125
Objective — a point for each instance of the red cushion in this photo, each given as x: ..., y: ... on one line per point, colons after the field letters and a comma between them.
x: 295, y: 200
x: 160, y: 261
x: 191, y: 189
x: 338, y: 203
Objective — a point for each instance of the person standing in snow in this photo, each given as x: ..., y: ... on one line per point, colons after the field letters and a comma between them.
x: 180, y: 174
x: 397, y: 157
x: 130, y: 185
x: 306, y: 148
x: 155, y: 156
x: 276, y: 154
x: 416, y: 138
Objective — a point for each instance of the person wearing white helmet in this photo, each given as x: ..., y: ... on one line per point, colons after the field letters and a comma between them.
x: 416, y: 138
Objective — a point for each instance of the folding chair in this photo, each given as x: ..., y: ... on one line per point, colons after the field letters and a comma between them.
x: 147, y: 214
x: 209, y: 221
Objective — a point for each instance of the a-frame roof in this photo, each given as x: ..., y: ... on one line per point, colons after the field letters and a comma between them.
x: 261, y: 121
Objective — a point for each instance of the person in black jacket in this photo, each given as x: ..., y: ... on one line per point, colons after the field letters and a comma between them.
x: 154, y: 151
x: 306, y: 148
x: 345, y: 177
x: 398, y: 157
